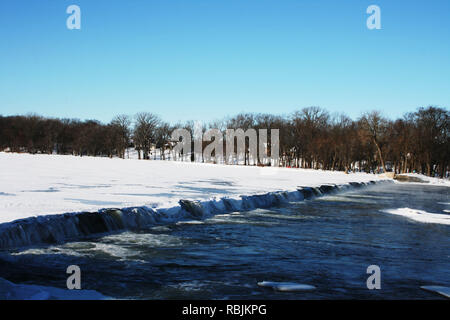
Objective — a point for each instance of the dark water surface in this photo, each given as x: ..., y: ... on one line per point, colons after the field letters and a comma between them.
x: 327, y: 242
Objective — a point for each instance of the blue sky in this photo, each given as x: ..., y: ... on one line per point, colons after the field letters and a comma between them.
x: 205, y: 59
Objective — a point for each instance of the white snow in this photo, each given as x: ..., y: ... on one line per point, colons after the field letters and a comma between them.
x: 420, y: 215
x: 427, y: 180
x: 32, y: 185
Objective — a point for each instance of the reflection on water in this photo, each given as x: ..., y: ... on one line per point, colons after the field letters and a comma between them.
x: 328, y: 243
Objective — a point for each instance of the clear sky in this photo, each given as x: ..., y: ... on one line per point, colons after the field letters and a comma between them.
x: 205, y: 59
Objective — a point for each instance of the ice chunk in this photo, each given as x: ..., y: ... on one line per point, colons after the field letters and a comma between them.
x: 12, y: 291
x: 286, y: 286
x: 443, y: 291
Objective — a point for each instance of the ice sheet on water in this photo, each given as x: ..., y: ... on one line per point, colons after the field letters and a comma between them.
x: 286, y: 286
x: 443, y: 291
x: 12, y: 291
x: 420, y: 215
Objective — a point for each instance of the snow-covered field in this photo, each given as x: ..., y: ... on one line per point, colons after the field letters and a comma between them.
x: 32, y: 185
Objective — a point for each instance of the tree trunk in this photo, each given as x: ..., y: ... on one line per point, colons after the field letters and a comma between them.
x: 380, y: 155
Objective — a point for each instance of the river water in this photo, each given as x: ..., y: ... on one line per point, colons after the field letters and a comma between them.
x: 327, y: 242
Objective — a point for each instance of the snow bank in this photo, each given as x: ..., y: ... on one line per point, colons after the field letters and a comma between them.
x: 427, y: 180
x: 34, y: 185
x: 420, y: 215
x: 12, y: 291
x: 79, y: 189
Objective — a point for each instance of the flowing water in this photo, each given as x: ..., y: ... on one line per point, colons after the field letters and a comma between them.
x: 327, y: 242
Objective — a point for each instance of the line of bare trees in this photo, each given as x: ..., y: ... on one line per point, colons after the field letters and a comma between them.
x: 309, y: 138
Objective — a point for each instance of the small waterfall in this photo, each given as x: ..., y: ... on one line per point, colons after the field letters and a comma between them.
x: 59, y: 228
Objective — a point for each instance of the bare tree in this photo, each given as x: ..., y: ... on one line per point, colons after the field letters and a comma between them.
x: 433, y: 127
x: 375, y: 126
x: 309, y: 138
x: 145, y: 132
x: 122, y: 123
x: 308, y: 124
x: 163, y: 135
x: 243, y: 121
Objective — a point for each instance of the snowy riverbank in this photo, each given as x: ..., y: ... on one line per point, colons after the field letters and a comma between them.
x: 34, y: 185
x: 53, y: 199
x: 425, y: 180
